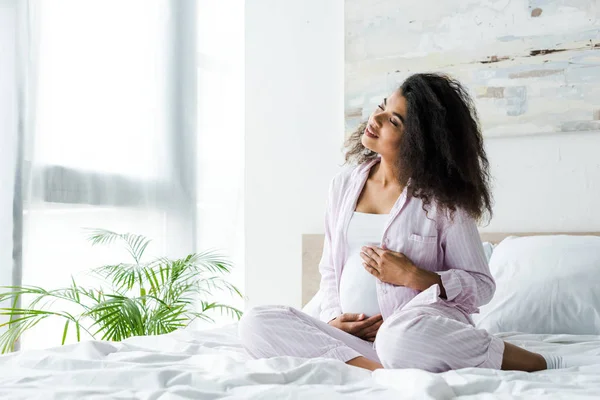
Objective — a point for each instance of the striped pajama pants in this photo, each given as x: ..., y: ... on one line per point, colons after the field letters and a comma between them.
x: 434, y: 337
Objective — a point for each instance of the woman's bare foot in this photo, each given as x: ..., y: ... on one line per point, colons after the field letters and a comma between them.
x: 365, y: 363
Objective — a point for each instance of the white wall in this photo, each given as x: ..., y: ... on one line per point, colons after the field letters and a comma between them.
x: 220, y: 157
x: 294, y: 131
x: 546, y: 183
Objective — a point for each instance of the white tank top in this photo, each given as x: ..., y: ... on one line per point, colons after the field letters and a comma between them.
x: 358, y: 292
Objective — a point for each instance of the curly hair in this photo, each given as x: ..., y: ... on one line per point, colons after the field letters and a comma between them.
x: 441, y: 149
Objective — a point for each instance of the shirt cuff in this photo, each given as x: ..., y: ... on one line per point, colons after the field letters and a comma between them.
x: 329, y: 314
x: 451, y: 283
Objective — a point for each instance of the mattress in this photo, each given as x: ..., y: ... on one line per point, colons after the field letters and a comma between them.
x: 211, y: 364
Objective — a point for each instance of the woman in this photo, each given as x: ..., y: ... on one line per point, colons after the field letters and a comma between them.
x: 403, y: 266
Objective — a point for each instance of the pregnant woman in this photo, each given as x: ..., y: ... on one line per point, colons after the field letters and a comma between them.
x: 403, y: 266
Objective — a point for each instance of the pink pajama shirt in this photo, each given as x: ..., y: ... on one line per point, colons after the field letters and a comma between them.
x: 420, y: 329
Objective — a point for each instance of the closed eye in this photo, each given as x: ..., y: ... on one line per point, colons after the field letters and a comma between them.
x: 392, y: 121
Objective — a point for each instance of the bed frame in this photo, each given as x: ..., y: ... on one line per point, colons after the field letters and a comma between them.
x: 312, y: 247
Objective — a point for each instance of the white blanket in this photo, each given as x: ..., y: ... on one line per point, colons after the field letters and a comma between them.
x: 211, y: 364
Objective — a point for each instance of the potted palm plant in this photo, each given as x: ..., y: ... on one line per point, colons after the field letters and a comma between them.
x: 142, y: 298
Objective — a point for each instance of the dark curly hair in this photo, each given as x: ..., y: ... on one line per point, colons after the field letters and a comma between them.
x: 441, y: 149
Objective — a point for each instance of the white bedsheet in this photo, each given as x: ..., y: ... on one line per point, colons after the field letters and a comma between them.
x: 211, y: 364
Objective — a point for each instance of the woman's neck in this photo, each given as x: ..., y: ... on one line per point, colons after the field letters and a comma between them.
x: 384, y: 173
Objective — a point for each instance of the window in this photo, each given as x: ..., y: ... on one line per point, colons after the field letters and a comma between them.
x: 111, y: 147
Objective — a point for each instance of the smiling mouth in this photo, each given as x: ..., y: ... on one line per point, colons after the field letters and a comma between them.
x: 370, y: 133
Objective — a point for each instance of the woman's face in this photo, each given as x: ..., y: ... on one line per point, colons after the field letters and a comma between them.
x: 386, y: 126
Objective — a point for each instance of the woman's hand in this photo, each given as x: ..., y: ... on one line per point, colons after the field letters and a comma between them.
x: 395, y: 268
x: 358, y: 325
x: 388, y: 266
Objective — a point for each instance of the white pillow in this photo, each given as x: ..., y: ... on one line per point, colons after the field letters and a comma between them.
x: 488, y: 249
x: 545, y: 284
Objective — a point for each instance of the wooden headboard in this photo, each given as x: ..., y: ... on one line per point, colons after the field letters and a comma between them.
x: 312, y: 248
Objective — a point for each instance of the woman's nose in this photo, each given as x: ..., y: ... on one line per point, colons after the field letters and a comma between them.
x: 376, y: 119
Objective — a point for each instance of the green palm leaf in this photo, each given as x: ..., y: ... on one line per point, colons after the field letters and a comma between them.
x: 135, y: 244
x: 225, y: 309
x: 144, y: 298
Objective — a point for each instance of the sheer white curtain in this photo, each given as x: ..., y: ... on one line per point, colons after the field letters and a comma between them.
x: 115, y: 98
x: 8, y: 136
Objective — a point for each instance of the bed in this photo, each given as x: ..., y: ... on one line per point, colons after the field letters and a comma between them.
x: 211, y: 364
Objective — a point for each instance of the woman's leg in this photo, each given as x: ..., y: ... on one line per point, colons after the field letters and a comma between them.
x: 272, y: 331
x: 436, y: 338
x: 364, y: 362
x: 518, y: 359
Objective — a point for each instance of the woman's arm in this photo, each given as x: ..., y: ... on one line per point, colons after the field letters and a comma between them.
x: 330, y: 305
x: 467, y: 280
x: 422, y: 279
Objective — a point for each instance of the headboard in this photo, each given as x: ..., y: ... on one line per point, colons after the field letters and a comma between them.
x: 312, y: 248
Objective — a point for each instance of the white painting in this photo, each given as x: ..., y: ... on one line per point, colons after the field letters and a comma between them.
x: 532, y: 66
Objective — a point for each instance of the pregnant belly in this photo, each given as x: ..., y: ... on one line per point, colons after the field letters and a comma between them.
x: 358, y: 288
